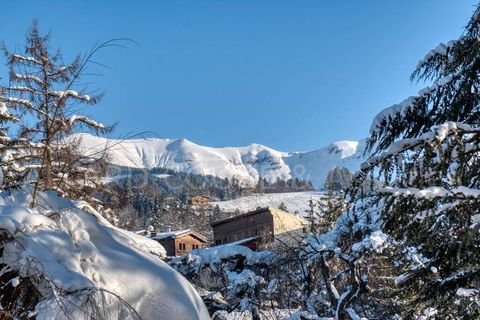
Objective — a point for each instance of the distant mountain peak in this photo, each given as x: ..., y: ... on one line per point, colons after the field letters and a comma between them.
x: 246, y: 164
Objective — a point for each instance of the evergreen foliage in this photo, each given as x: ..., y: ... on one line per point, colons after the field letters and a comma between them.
x: 338, y: 179
x: 426, y: 152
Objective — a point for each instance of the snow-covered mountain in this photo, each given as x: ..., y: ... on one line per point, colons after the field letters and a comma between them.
x: 246, y: 163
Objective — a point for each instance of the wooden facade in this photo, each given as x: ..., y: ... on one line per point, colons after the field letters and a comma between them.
x: 199, y: 201
x: 179, y: 243
x: 258, y: 228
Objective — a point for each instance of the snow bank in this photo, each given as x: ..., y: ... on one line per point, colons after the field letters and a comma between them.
x: 82, y: 265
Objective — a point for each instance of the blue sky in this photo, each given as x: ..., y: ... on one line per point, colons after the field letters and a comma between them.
x: 293, y: 75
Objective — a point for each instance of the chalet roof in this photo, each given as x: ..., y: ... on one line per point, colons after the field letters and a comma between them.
x: 179, y: 234
x: 259, y: 210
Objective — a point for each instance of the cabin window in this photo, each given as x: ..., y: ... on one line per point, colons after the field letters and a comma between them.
x: 182, y: 246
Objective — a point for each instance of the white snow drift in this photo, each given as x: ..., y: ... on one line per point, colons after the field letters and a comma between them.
x: 74, y: 256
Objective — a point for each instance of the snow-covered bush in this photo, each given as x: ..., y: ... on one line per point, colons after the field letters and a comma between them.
x: 231, y: 277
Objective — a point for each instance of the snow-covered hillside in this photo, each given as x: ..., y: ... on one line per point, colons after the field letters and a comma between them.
x: 83, y: 267
x: 245, y: 163
x: 294, y: 201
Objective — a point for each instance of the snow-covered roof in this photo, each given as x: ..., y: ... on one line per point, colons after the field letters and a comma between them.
x: 178, y: 234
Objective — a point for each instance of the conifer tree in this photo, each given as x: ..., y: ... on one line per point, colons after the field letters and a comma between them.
x: 45, y: 93
x: 427, y: 153
x: 338, y: 179
x: 282, y: 206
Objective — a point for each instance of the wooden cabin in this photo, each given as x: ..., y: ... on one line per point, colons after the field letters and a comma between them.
x: 199, y: 201
x: 181, y: 242
x: 256, y: 229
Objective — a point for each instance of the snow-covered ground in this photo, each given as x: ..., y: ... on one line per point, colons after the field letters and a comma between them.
x: 246, y: 163
x: 280, y: 314
x: 84, y: 267
x: 295, y: 201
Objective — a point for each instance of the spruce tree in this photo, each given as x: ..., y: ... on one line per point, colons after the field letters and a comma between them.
x: 338, y: 179
x: 427, y: 154
x: 282, y: 206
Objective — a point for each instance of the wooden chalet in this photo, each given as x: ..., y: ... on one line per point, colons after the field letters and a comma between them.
x: 260, y: 227
x: 181, y: 242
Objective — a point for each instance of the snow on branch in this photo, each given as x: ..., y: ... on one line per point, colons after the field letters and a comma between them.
x: 434, y: 137
x: 440, y: 51
x: 27, y: 78
x: 5, y: 114
x: 401, y: 109
x: 394, y: 111
x: 71, y: 94
x: 20, y: 58
x: 20, y: 88
x: 13, y: 100
x: 85, y: 120
x: 433, y: 192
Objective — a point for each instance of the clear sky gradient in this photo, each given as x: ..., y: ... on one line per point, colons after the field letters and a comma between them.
x: 293, y: 75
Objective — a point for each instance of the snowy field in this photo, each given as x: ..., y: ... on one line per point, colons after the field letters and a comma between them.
x: 295, y: 201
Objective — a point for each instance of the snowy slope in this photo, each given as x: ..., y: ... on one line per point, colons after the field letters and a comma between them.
x: 246, y: 163
x: 77, y: 260
x: 295, y: 201
x: 315, y: 165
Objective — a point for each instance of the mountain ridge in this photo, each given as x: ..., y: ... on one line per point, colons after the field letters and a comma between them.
x: 246, y: 163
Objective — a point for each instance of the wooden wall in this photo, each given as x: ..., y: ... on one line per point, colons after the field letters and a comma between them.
x: 254, y: 225
x: 174, y: 246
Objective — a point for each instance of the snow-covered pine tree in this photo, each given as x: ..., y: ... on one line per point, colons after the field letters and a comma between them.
x: 45, y: 93
x: 283, y: 206
x: 338, y: 179
x: 427, y: 153
x: 6, y: 118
